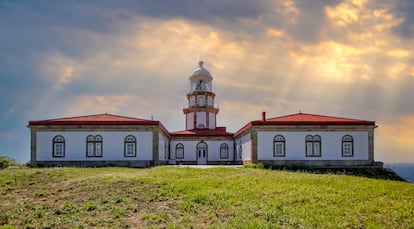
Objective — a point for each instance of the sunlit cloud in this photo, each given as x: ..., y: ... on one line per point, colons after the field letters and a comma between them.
x: 345, y: 13
x: 289, y: 10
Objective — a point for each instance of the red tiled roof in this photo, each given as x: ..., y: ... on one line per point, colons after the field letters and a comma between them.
x: 99, y: 119
x: 218, y: 132
x: 307, y: 119
x: 312, y: 119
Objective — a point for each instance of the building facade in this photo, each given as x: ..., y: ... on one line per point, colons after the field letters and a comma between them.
x: 307, y: 140
x: 296, y: 139
x: 98, y: 140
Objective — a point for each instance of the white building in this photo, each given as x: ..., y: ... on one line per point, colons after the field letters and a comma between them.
x: 307, y: 139
x: 297, y: 139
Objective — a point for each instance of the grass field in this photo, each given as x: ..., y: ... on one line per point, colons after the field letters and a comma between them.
x: 175, y: 197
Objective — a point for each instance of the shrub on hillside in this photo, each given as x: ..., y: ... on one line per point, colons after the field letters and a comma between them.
x: 6, y: 162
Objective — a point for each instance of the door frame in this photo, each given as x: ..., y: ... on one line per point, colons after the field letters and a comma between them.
x: 202, y: 157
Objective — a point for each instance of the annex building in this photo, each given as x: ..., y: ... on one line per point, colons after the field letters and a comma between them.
x: 296, y: 139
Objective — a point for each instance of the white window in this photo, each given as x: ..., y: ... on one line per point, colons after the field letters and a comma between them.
x: 210, y: 101
x: 347, y: 146
x: 313, y: 146
x: 130, y: 146
x: 94, y: 146
x: 58, y: 146
x: 279, y: 146
x: 201, y: 101
x: 192, y: 100
x: 179, y: 151
x: 224, y: 151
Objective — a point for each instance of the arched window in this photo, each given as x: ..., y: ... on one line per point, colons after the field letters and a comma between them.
x: 224, y: 151
x: 94, y: 146
x: 309, y: 145
x: 130, y: 146
x: 201, y: 126
x: 313, y: 146
x: 202, y: 149
x: 179, y: 151
x: 279, y: 146
x: 317, y: 146
x: 98, y: 146
x: 347, y: 146
x: 58, y: 146
x: 90, y: 146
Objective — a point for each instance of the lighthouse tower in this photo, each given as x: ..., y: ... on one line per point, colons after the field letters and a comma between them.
x: 201, y: 113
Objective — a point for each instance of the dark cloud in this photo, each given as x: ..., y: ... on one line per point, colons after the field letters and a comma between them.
x: 311, y: 20
x: 105, y: 16
x: 100, y: 16
x: 405, y: 9
x: 205, y: 10
x: 69, y: 14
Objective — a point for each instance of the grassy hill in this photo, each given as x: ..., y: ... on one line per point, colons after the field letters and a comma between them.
x: 187, y: 197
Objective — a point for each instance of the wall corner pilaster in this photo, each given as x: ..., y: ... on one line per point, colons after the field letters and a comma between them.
x: 155, y: 150
x: 253, y: 146
x: 371, y: 145
x: 33, y: 147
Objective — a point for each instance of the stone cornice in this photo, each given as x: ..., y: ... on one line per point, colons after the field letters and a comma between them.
x: 296, y: 128
x: 195, y: 93
x: 202, y: 109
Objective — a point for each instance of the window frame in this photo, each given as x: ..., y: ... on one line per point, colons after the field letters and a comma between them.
x: 177, y: 147
x: 317, y: 144
x: 97, y: 143
x: 201, y: 126
x: 201, y: 101
x: 224, y: 149
x: 200, y: 146
x: 312, y: 143
x: 128, y: 142
x: 348, y: 140
x: 56, y: 143
x: 90, y: 141
x: 279, y: 140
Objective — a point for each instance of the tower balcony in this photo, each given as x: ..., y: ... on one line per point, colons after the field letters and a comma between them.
x: 201, y: 92
x: 209, y: 109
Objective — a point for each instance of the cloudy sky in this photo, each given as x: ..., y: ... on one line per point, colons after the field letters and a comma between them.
x: 347, y: 58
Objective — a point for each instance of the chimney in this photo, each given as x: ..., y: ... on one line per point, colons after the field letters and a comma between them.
x: 264, y: 116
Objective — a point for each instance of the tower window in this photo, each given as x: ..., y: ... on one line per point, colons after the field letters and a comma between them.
x: 201, y: 126
x: 313, y: 146
x: 58, y: 146
x: 201, y: 101
x: 347, y: 146
x: 201, y: 85
x: 279, y: 146
x: 130, y: 146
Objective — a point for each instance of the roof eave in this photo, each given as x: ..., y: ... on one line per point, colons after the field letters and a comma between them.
x: 92, y: 123
x: 310, y: 123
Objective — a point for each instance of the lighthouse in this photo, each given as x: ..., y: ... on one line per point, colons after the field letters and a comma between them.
x: 201, y: 113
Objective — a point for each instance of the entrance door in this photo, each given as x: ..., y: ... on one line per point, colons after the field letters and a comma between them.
x: 202, y: 153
